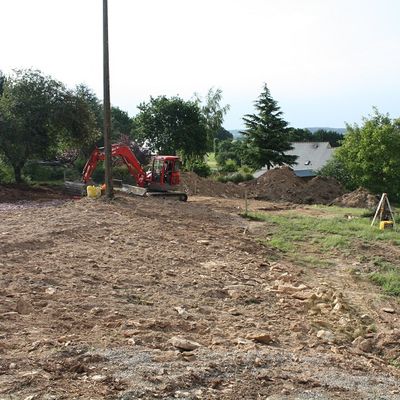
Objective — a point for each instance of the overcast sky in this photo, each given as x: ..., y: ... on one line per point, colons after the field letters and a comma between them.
x: 325, y: 61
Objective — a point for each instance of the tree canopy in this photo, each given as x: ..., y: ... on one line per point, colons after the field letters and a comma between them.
x: 223, y: 134
x: 171, y: 126
x: 39, y: 116
x: 213, y: 113
x: 266, y: 134
x: 370, y: 154
x: 321, y: 135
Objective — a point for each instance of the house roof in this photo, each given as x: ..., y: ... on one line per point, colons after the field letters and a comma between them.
x: 311, y: 155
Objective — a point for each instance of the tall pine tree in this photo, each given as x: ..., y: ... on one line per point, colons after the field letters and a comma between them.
x: 267, y: 134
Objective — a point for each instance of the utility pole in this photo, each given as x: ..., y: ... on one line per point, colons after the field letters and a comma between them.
x: 107, y: 107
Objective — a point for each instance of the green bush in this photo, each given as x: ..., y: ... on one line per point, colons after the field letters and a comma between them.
x: 201, y: 168
x: 6, y: 172
x: 229, y: 166
x: 246, y: 170
x: 335, y: 168
x: 43, y: 173
x: 235, y: 178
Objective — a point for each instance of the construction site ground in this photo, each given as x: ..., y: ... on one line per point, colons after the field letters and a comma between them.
x: 149, y: 298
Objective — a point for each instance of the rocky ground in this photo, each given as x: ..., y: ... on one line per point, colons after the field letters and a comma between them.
x: 148, y: 298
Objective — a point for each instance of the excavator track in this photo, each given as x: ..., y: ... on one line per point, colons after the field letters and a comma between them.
x: 181, y: 196
x: 138, y: 191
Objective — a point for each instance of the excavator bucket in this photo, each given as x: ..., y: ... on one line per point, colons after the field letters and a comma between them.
x: 75, y: 188
x: 136, y: 190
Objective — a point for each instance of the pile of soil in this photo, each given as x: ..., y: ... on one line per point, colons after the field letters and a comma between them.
x: 193, y: 184
x: 360, y: 198
x: 279, y: 184
x: 13, y: 193
x: 282, y: 184
x: 320, y: 190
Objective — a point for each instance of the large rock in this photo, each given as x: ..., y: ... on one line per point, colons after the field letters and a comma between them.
x: 184, y: 344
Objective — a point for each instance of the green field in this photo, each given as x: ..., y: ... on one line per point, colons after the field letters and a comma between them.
x: 320, y: 236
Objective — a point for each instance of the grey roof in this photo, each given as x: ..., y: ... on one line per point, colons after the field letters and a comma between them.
x: 311, y: 156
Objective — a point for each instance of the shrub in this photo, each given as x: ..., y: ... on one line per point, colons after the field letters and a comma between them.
x: 42, y: 173
x: 235, y: 178
x: 6, y: 172
x: 201, y: 168
x: 229, y: 166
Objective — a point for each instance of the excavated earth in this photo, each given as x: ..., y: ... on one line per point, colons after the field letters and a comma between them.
x: 280, y: 184
x: 148, y: 298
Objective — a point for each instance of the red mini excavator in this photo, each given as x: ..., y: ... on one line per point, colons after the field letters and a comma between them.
x: 163, y: 176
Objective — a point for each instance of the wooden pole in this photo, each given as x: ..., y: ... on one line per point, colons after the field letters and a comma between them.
x: 107, y: 107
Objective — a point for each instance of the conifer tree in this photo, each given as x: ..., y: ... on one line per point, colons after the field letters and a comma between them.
x: 266, y: 134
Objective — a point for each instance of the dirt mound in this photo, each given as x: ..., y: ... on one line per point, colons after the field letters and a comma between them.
x: 320, y: 190
x: 282, y: 184
x: 23, y: 192
x: 360, y: 198
x: 192, y: 184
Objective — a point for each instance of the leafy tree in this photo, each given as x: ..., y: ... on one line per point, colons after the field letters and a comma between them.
x: 336, y: 169
x: 93, y: 102
x: 371, y: 154
x: 171, y: 126
x: 121, y: 124
x: 322, y: 135
x: 266, y: 134
x: 230, y: 150
x: 2, y: 81
x: 75, y: 123
x: 213, y: 113
x: 223, y: 134
x: 38, y: 116
x: 299, y: 135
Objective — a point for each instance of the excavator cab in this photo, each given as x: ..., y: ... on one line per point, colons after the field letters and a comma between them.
x: 165, y: 171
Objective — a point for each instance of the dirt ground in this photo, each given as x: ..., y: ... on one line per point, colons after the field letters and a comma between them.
x: 148, y: 298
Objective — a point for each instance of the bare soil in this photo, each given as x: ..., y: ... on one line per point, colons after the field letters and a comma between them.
x: 360, y: 197
x: 13, y: 193
x: 98, y: 301
x: 280, y: 184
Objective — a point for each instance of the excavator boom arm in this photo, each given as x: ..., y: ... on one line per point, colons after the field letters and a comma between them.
x: 133, y: 165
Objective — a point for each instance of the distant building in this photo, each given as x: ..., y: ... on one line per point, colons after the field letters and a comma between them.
x: 311, y: 157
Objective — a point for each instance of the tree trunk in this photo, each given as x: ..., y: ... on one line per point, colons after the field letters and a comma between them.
x: 17, y: 173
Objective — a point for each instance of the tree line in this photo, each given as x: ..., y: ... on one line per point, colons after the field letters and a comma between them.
x: 40, y: 118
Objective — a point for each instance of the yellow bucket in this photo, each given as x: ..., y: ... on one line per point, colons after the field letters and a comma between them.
x: 93, y: 192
